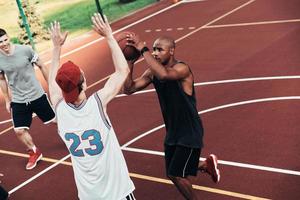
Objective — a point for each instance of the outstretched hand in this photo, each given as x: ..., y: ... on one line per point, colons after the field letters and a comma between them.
x: 58, y: 38
x: 101, y: 27
x: 134, y: 40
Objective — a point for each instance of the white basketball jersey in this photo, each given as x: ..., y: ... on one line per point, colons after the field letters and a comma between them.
x: 99, y: 166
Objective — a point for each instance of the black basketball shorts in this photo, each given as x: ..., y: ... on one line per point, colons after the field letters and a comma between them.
x: 22, y: 112
x: 181, y: 161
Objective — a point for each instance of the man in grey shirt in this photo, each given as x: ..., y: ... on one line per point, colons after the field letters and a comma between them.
x: 26, y: 94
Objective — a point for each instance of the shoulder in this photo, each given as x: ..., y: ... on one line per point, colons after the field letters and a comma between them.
x: 181, y: 67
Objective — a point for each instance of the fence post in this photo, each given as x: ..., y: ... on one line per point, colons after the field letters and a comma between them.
x: 24, y: 19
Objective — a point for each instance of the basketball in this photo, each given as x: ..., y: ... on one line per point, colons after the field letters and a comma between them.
x: 130, y: 52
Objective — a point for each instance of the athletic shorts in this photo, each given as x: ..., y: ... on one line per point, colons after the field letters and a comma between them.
x: 3, y: 193
x: 22, y: 112
x: 129, y: 197
x: 181, y: 161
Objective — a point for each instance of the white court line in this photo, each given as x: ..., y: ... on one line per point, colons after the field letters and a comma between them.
x: 39, y: 174
x: 236, y: 164
x: 143, y: 19
x: 226, y: 81
x: 254, y: 23
x: 192, y: 1
x: 215, y: 20
x: 214, y: 109
x: 223, y: 162
x: 125, y: 146
x: 117, y: 31
x: 199, y: 84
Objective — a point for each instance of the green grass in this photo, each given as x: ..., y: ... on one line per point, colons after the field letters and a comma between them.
x: 73, y: 15
x: 77, y: 16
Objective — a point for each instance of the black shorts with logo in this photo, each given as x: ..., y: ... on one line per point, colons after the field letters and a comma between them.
x: 181, y: 161
x: 22, y: 112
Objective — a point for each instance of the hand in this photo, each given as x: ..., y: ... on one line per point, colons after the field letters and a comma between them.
x: 101, y: 27
x: 58, y: 38
x: 8, y: 108
x: 134, y: 40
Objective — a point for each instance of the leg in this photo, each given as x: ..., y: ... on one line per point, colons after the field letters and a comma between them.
x: 3, y: 193
x: 24, y: 136
x: 34, y: 153
x: 182, y: 162
x: 184, y: 186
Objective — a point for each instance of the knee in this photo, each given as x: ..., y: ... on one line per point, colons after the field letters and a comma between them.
x: 20, y: 132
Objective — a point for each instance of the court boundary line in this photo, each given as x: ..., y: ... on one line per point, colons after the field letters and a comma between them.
x: 253, y: 23
x: 151, y: 131
x: 196, y: 85
x: 133, y: 175
x: 144, y: 19
x: 223, y: 162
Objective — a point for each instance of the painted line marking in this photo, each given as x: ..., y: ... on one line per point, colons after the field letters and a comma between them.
x: 223, y: 162
x: 254, y: 23
x: 197, y: 187
x: 117, y: 31
x: 196, y: 85
x: 133, y: 175
x: 143, y: 19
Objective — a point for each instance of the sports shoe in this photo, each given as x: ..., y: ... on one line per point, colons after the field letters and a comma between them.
x: 212, y: 167
x: 33, y: 158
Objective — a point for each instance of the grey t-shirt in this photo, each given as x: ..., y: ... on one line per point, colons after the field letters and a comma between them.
x: 20, y: 73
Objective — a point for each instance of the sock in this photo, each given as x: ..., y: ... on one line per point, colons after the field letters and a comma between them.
x: 34, y: 148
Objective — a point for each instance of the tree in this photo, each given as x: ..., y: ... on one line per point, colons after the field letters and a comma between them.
x: 35, y: 24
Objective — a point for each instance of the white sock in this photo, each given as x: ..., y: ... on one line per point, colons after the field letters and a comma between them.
x: 34, y: 148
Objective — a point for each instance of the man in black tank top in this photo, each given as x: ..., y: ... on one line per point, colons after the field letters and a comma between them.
x: 174, y: 83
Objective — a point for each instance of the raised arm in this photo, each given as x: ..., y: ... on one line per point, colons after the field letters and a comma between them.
x: 179, y: 71
x: 5, y: 91
x: 116, y: 80
x: 44, y: 69
x: 58, y: 40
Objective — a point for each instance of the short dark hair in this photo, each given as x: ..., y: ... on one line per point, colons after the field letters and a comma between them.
x: 2, y: 32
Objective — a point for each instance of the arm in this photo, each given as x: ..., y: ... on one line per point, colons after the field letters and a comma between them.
x: 116, y: 80
x: 177, y: 72
x: 132, y: 86
x: 5, y: 91
x: 44, y: 69
x: 58, y: 40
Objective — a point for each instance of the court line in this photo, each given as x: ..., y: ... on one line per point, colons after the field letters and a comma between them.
x: 223, y: 162
x: 88, y: 44
x: 215, y: 20
x: 143, y: 19
x: 253, y: 23
x: 6, y: 130
x: 197, y: 187
x: 117, y: 31
x: 124, y: 147
x: 225, y: 81
x: 12, y: 153
x: 134, y: 175
x: 291, y: 172
x: 196, y: 85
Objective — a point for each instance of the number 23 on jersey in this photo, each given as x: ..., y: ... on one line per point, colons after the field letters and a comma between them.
x: 94, y: 139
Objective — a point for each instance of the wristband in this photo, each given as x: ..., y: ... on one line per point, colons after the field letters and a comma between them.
x: 143, y: 50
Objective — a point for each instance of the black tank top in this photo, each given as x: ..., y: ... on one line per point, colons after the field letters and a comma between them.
x: 183, y: 124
